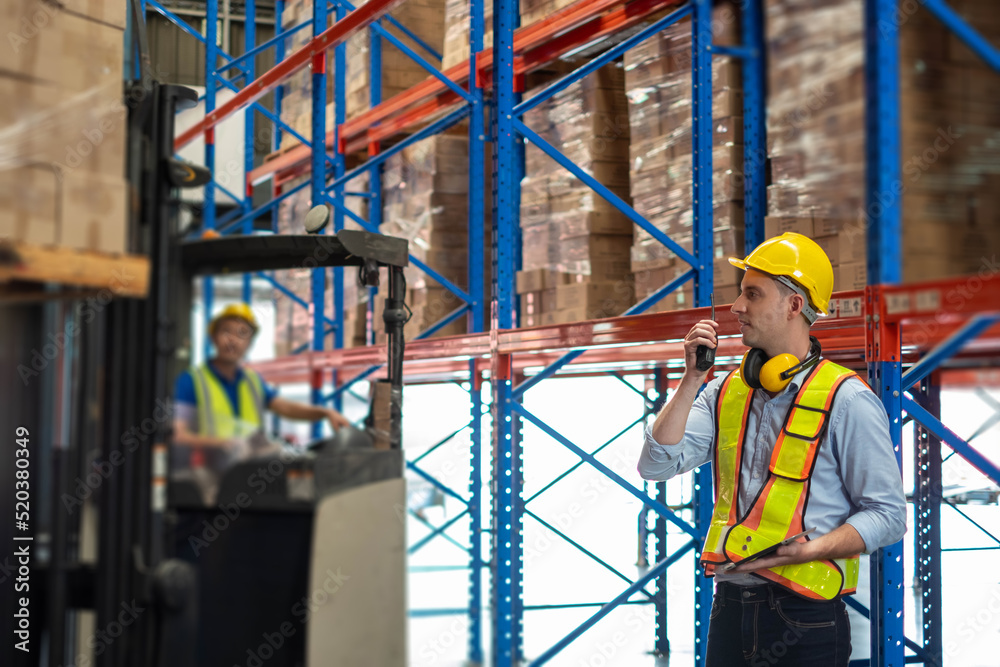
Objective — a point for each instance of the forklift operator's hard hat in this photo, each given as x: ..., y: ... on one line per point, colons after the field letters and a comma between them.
x: 240, y: 311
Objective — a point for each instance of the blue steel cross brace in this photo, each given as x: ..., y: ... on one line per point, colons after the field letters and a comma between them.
x: 701, y: 258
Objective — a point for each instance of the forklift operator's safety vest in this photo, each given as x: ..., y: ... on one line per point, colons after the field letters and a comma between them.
x: 777, y: 511
x: 216, y: 416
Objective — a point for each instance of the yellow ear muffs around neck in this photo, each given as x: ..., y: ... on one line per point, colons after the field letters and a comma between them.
x: 774, y: 374
x: 771, y: 372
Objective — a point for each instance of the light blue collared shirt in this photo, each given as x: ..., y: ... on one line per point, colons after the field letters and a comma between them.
x: 855, y: 479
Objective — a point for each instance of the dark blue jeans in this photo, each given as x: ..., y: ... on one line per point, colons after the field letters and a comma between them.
x: 761, y: 626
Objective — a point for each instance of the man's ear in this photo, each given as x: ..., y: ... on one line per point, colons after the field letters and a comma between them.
x: 795, y: 304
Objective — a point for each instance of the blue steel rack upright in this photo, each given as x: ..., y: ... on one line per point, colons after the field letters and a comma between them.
x: 885, y: 328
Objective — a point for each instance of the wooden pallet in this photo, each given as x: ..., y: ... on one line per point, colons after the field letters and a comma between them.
x: 27, y: 272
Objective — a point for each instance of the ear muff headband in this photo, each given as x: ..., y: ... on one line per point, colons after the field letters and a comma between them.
x: 774, y: 374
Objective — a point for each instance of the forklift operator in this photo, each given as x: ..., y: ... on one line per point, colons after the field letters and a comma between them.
x: 219, y: 406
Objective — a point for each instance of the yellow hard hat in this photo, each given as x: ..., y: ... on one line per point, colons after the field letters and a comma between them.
x: 799, y: 260
x: 239, y: 311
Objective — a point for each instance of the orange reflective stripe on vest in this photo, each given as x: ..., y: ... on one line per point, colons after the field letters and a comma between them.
x: 777, y: 512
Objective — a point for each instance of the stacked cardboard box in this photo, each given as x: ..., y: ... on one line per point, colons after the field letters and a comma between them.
x: 293, y: 324
x: 658, y: 80
x: 425, y: 200
x: 456, y: 30
x: 950, y: 132
x: 63, y: 123
x: 296, y: 93
x: 575, y: 244
x: 425, y: 19
x: 533, y: 11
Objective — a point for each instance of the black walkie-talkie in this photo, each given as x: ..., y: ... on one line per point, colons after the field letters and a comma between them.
x: 705, y: 355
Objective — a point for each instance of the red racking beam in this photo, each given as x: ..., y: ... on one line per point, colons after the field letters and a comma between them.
x: 332, y: 36
x: 931, y: 312
x: 536, y: 45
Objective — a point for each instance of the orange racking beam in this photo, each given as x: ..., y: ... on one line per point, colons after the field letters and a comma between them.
x: 931, y: 312
x: 332, y: 36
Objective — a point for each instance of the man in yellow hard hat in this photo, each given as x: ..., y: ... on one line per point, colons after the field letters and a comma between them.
x: 220, y: 405
x: 801, y: 455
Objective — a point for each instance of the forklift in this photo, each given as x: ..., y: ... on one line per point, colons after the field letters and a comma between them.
x: 300, y: 559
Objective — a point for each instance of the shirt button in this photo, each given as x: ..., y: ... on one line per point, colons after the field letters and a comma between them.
x: 756, y: 474
x: 746, y: 594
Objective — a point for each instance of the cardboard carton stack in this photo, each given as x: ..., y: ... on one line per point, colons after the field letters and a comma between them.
x: 296, y: 95
x: 293, y: 325
x: 658, y: 80
x: 575, y: 255
x: 950, y: 138
x: 425, y: 200
x: 456, y: 31
x: 292, y: 322
x: 536, y: 10
x: 63, y: 125
x: 424, y: 18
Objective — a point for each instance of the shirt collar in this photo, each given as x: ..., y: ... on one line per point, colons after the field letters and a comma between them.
x: 793, y: 387
x: 222, y: 378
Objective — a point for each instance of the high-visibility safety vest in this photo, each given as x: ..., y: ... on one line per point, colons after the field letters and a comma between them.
x: 777, y: 511
x: 216, y: 416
